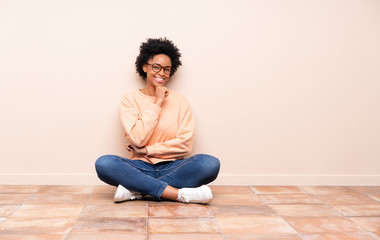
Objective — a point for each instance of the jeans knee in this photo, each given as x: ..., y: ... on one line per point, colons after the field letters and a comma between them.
x: 214, y: 165
x: 103, y: 162
x: 210, y: 164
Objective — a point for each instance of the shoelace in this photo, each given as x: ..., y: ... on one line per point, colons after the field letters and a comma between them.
x: 135, y: 195
x: 184, y: 199
x: 129, y: 195
x: 187, y: 196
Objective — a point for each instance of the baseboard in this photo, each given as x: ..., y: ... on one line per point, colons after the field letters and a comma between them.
x: 341, y: 180
x: 49, y: 179
x: 223, y: 179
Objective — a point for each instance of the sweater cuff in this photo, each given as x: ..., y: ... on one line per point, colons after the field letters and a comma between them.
x: 150, y: 150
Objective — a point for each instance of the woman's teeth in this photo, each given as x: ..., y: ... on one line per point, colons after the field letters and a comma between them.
x: 160, y: 80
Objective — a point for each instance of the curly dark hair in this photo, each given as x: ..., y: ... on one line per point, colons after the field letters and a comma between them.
x: 153, y: 47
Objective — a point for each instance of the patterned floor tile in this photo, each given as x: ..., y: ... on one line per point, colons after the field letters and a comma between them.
x: 369, y: 223
x: 359, y: 210
x: 231, y: 190
x: 269, y: 236
x: 19, y: 188
x: 182, y: 211
x: 104, y: 189
x: 277, y: 190
x: 48, y: 211
x: 14, y: 198
x: 66, y: 189
x: 36, y: 225
x: 328, y: 190
x: 182, y: 225
x: 375, y: 196
x: 236, y: 199
x: 106, y: 236
x: 238, y: 210
x: 254, y: 224
x: 289, y: 199
x: 366, y: 189
x: 125, y: 225
x: 32, y: 236
x: 101, y: 198
x: 348, y: 236
x: 186, y: 236
x: 164, y: 202
x: 346, y: 199
x: 323, y: 225
x: 58, y: 198
x: 114, y: 211
x: 7, y: 210
x: 294, y: 210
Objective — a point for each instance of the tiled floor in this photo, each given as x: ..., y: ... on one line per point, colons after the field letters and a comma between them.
x: 237, y: 213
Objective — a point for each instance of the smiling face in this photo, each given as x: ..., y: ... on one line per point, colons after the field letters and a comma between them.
x: 156, y: 78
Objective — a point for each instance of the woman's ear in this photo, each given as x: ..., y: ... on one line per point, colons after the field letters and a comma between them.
x: 144, y: 67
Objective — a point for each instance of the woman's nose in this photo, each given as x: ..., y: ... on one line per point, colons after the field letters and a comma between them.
x: 163, y: 71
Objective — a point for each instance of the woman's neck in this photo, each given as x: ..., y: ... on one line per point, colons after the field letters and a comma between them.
x: 149, y: 90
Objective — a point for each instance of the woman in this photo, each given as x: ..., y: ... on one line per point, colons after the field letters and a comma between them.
x: 159, y: 127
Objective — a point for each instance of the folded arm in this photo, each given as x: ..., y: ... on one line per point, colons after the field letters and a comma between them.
x: 138, y: 127
x: 178, y: 147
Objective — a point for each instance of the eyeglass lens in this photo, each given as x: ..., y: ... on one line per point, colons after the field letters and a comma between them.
x: 157, y: 68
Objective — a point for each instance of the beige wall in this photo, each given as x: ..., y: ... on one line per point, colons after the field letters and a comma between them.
x: 283, y: 92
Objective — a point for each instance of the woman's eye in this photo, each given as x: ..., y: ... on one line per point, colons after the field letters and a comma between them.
x: 167, y: 70
x: 155, y: 68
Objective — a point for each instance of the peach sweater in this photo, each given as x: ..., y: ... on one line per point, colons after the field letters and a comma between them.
x: 166, y: 131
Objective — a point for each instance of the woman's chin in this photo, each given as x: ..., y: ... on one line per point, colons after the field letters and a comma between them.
x: 158, y: 84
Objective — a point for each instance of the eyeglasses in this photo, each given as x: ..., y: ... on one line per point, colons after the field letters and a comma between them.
x: 157, y: 68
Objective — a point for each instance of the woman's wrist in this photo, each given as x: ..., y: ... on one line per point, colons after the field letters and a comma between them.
x: 158, y: 102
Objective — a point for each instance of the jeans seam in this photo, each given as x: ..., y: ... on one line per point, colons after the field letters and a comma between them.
x: 161, y: 191
x: 139, y: 168
x: 175, y: 168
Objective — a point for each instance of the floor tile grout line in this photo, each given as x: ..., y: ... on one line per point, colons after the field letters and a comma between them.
x: 372, y: 197
x: 299, y: 234
x: 77, y: 218
x: 252, y: 189
x: 347, y: 217
x: 217, y: 223
x: 364, y: 193
x: 18, y: 207
x: 33, y: 194
x: 303, y: 191
x: 365, y: 229
x: 326, y: 204
x: 23, y: 203
x: 321, y: 203
x: 146, y: 219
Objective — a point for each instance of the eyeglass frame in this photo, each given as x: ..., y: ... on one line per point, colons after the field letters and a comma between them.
x: 160, y: 67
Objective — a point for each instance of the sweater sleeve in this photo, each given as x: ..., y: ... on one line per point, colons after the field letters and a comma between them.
x: 178, y: 147
x: 138, y: 127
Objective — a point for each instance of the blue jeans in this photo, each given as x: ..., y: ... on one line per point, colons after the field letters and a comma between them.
x: 152, y: 179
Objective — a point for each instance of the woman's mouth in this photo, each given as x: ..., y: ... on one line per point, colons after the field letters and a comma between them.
x: 159, y: 79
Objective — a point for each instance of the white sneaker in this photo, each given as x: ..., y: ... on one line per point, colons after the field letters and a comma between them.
x: 200, y: 194
x: 122, y: 194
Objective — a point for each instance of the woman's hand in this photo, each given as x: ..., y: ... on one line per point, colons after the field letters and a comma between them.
x: 141, y: 151
x: 161, y: 93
